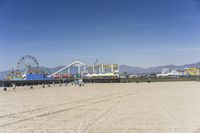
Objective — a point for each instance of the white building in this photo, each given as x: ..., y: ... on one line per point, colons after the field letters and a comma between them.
x: 167, y: 73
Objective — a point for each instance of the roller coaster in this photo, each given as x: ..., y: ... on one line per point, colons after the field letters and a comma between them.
x: 81, y: 68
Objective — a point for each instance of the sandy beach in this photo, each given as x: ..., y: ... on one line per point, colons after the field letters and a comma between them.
x: 165, y: 107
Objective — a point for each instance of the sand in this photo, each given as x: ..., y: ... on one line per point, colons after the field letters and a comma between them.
x: 168, y: 107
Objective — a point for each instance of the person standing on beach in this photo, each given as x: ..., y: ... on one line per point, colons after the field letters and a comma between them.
x: 5, y: 89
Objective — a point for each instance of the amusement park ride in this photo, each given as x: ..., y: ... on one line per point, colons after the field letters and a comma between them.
x: 28, y: 69
x: 29, y: 64
x: 26, y: 65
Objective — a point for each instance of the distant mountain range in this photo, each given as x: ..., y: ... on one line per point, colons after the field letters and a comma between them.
x: 127, y: 69
x: 158, y: 69
x: 139, y: 70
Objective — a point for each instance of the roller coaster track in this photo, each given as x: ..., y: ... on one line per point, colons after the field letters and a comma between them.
x: 73, y: 63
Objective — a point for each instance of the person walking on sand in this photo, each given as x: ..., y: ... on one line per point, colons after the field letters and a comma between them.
x: 14, y: 87
x: 80, y: 82
x: 43, y: 85
x: 31, y: 87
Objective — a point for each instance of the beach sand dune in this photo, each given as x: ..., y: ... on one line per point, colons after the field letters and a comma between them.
x: 164, y: 107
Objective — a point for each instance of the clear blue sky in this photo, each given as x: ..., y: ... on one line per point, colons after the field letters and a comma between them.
x: 133, y: 32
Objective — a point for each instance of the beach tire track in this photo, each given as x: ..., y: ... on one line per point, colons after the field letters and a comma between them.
x: 64, y: 109
x: 102, y: 115
x: 71, y: 102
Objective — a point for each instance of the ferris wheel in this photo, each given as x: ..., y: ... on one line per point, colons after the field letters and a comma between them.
x: 27, y: 62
